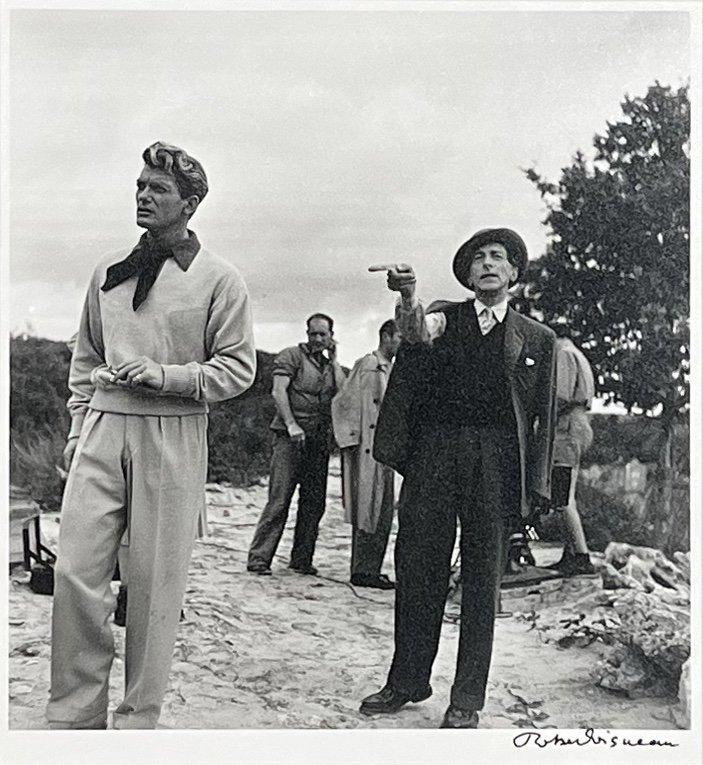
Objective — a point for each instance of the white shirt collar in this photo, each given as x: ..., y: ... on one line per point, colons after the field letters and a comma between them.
x: 383, y: 361
x: 499, y: 310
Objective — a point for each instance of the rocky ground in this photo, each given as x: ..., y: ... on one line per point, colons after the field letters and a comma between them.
x: 292, y: 651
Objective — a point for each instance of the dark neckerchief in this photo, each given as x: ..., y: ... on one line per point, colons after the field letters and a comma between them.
x: 145, y: 262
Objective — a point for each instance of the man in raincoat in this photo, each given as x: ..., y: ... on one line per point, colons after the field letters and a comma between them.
x: 367, y: 486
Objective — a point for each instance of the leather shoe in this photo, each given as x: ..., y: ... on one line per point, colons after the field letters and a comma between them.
x: 455, y: 717
x: 309, y: 569
x: 380, y: 582
x: 259, y: 568
x: 389, y: 701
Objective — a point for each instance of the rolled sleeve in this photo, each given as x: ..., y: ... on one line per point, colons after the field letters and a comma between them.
x: 287, y: 362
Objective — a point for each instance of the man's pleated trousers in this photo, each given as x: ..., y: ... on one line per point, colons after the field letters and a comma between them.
x: 147, y: 472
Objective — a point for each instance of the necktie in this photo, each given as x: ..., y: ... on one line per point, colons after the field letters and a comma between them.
x: 486, y: 321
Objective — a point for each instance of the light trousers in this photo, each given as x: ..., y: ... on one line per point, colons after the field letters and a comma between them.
x: 147, y: 472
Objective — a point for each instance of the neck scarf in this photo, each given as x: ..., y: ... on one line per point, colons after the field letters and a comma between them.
x: 144, y: 262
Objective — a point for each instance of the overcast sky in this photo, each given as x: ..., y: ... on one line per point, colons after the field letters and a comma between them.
x: 332, y: 140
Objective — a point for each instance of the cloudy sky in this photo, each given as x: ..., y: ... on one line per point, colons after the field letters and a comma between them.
x: 332, y: 140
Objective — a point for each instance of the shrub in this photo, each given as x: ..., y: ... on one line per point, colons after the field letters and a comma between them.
x: 38, y: 385
x: 605, y: 519
x: 34, y: 458
x: 239, y: 438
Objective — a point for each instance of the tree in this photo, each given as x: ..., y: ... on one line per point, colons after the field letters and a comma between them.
x: 617, y: 263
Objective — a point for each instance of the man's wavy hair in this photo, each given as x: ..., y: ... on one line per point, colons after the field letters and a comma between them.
x: 187, y: 171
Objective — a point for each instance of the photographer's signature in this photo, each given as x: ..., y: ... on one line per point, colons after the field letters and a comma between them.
x: 589, y: 737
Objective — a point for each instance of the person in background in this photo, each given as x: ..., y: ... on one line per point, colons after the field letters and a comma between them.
x: 468, y: 420
x: 575, y: 391
x: 166, y: 329
x: 306, y: 378
x: 367, y: 485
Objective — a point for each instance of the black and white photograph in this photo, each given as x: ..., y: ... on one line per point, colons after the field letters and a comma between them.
x: 351, y: 382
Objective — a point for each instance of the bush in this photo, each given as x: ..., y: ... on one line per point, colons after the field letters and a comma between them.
x: 239, y: 438
x: 33, y: 466
x: 38, y: 385
x: 39, y: 421
x: 605, y: 519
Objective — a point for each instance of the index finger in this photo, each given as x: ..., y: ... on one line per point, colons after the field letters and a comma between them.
x: 381, y: 267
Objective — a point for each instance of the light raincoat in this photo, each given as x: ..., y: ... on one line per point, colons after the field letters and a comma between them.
x: 354, y: 413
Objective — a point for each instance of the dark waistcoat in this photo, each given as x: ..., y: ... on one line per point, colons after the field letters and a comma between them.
x: 467, y: 382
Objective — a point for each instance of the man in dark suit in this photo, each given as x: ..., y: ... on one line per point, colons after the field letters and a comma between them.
x: 468, y: 420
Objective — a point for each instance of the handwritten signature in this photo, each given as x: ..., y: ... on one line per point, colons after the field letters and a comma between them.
x: 589, y: 737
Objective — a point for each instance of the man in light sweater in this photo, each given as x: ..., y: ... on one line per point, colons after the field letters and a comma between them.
x: 166, y: 329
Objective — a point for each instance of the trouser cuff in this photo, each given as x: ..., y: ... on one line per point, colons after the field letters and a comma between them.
x: 97, y: 722
x: 466, y: 701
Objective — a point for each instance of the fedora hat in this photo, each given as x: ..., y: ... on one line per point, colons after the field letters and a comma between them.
x: 513, y: 243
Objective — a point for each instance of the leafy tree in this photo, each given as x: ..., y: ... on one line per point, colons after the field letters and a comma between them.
x: 617, y: 263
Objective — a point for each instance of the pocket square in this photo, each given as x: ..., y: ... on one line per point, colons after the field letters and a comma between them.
x: 529, y: 362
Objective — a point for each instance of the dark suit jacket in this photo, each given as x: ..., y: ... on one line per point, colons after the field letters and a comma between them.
x: 530, y: 364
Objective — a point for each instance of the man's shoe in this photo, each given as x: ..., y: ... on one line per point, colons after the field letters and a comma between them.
x: 579, y: 565
x: 380, y: 582
x: 388, y: 701
x: 455, y: 717
x: 120, y: 617
x: 259, y: 568
x: 310, y: 570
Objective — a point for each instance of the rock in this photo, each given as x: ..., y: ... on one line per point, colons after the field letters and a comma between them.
x: 683, y: 561
x: 659, y: 634
x: 615, y: 580
x: 640, y: 571
x: 648, y: 565
x: 19, y: 689
x: 681, y: 711
x: 621, y: 673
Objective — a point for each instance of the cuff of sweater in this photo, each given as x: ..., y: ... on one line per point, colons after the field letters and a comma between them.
x: 178, y: 379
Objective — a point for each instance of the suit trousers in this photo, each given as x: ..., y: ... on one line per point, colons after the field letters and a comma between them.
x: 294, y: 465
x: 147, y: 472
x: 473, y: 475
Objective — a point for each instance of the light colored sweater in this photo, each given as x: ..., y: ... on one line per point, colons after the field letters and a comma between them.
x: 197, y: 324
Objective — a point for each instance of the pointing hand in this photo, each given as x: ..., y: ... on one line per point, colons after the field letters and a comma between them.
x: 400, y: 277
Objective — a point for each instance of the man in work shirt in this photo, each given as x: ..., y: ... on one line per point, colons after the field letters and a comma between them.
x: 305, y: 379
x: 468, y: 420
x: 367, y: 486
x: 166, y: 329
